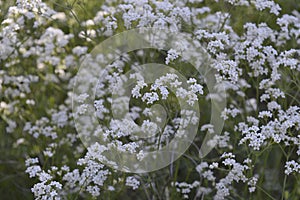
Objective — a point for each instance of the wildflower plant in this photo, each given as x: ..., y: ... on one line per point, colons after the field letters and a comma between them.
x: 150, y: 99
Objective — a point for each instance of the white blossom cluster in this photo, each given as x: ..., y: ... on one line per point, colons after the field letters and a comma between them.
x: 257, y: 61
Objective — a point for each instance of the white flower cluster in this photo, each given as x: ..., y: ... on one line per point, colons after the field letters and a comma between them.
x: 275, y: 130
x: 185, y: 188
x: 132, y: 182
x: 47, y: 188
x: 292, y: 166
x: 257, y: 62
x: 236, y: 173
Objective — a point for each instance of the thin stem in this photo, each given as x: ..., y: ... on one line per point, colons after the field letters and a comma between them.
x: 265, y: 192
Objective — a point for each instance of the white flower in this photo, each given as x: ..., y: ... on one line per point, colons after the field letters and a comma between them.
x: 263, y: 114
x: 256, y: 139
x: 60, y: 118
x: 273, y: 105
x: 252, y: 184
x: 140, y: 155
x: 79, y: 50
x: 43, y: 176
x: 208, y: 127
x: 230, y: 111
x: 136, y: 90
x: 150, y: 97
x: 172, y: 55
x: 31, y: 161
x: 132, y: 182
x: 33, y: 170
x: 201, y: 166
x: 292, y: 166
x: 263, y: 4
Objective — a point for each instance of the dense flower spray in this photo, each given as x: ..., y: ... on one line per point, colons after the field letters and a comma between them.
x: 256, y: 58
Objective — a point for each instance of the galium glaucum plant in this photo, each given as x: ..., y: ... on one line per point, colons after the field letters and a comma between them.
x: 254, y: 51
